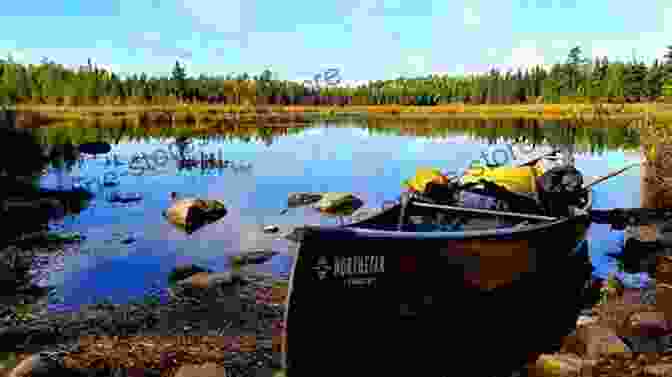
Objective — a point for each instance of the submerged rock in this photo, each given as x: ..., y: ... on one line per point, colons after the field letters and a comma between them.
x: 117, y: 197
x: 271, y: 229
x: 184, y: 271
x: 364, y: 213
x: 298, y: 199
x: 192, y: 214
x: 341, y: 203
x: 205, y: 280
x: 254, y: 257
x: 128, y: 240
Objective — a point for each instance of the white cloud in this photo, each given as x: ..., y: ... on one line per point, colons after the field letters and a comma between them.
x: 471, y: 17
x: 492, y: 52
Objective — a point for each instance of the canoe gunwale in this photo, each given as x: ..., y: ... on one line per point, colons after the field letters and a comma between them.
x: 360, y: 230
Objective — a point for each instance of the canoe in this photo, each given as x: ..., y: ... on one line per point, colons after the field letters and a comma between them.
x: 366, y: 299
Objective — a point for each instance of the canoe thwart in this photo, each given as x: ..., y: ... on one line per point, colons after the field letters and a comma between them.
x: 486, y: 212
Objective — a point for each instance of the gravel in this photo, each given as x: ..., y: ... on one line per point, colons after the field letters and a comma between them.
x: 239, y: 310
x: 649, y: 293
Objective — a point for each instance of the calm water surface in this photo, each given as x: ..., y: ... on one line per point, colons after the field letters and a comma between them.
x: 341, y: 156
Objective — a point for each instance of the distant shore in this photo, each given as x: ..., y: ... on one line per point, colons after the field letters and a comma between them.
x: 207, y: 115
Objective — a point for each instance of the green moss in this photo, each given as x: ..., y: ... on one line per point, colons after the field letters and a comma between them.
x: 281, y: 284
x: 8, y: 360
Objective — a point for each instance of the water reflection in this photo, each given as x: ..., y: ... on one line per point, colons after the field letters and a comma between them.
x: 367, y: 157
x: 589, y: 138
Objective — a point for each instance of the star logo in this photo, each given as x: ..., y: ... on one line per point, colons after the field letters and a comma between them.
x: 322, y: 267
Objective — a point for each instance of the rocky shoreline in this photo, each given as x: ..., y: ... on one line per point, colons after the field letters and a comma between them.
x: 232, y: 323
x: 235, y: 324
x: 239, y: 322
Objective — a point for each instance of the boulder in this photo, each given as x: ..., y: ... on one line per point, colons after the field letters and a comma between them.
x: 203, y: 283
x: 650, y: 324
x: 342, y: 203
x: 184, y: 271
x: 271, y: 229
x: 254, y: 257
x: 659, y: 370
x: 585, y: 320
x: 593, y: 341
x: 192, y: 214
x: 298, y: 199
x: 632, y: 296
x: 561, y: 365
x: 36, y: 366
x: 203, y: 370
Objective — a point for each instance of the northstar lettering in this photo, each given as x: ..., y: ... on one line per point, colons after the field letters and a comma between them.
x: 359, y: 265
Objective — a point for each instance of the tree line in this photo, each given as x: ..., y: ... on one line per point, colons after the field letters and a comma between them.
x: 577, y: 77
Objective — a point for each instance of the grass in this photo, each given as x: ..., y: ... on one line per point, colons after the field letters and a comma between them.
x: 192, y: 112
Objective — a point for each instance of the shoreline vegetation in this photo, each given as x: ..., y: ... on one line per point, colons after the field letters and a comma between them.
x: 50, y: 93
x: 207, y: 115
x: 578, y: 86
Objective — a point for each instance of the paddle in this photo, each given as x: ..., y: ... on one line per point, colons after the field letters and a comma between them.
x: 605, y: 177
x: 619, y: 218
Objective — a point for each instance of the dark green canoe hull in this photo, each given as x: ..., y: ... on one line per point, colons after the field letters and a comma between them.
x: 365, y: 300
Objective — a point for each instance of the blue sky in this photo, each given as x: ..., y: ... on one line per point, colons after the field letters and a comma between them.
x: 366, y: 39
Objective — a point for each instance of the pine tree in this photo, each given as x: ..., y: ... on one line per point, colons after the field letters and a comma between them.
x: 634, y: 78
x: 654, y: 80
x: 572, y: 70
x: 667, y: 72
x: 179, y: 76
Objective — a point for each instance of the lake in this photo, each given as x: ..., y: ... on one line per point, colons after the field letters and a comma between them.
x: 128, y: 248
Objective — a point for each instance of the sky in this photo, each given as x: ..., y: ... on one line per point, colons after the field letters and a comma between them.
x: 365, y: 39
